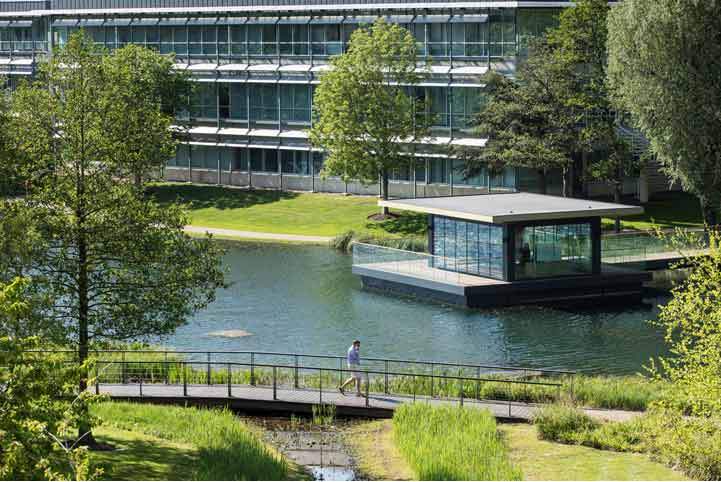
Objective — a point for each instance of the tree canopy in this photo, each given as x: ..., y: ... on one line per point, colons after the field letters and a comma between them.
x: 110, y: 263
x: 664, y: 69
x: 365, y: 115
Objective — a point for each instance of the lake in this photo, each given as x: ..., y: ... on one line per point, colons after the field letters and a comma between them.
x: 295, y: 298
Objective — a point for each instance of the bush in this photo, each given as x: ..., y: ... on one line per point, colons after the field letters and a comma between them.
x: 452, y: 443
x: 344, y: 242
x: 563, y: 423
x: 690, y: 443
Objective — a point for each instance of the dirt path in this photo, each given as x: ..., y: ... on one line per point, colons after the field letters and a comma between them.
x: 235, y: 234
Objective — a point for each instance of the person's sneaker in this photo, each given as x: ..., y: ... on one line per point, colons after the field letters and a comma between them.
x: 340, y: 389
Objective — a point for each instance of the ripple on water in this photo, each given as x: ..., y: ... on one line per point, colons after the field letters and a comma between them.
x: 305, y: 299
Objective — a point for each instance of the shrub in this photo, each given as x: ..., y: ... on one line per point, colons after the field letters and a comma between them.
x: 563, y: 423
x: 452, y: 443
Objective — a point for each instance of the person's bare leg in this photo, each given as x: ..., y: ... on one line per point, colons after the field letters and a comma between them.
x: 358, y: 386
x: 344, y: 384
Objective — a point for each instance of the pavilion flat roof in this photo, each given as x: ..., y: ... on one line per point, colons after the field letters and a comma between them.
x: 512, y: 207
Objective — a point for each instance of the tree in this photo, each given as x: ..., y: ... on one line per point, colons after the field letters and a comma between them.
x: 692, y: 324
x: 112, y: 264
x: 525, y: 121
x: 35, y: 403
x: 664, y: 70
x: 365, y: 114
x: 146, y: 94
x: 579, y: 45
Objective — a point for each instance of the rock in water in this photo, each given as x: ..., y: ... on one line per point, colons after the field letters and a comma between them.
x: 230, y: 333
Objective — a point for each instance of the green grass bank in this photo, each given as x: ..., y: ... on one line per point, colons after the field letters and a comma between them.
x: 333, y: 214
x: 158, y: 442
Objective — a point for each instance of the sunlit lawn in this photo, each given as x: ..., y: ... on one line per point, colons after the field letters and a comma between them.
x: 666, y: 210
x: 283, y: 212
x: 542, y: 460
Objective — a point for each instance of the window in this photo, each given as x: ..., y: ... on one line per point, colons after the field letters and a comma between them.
x: 553, y: 250
x: 295, y: 103
x: 468, y: 247
x: 203, y: 103
x: 263, y: 103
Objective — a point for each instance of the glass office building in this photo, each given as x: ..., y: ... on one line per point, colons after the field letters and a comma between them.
x: 257, y: 64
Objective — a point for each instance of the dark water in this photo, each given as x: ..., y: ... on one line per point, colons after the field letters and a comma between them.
x: 305, y: 299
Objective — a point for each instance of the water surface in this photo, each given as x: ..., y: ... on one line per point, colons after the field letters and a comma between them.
x: 293, y: 298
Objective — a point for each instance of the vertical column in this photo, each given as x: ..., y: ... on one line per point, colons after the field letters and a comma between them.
x: 596, y: 245
x: 509, y: 248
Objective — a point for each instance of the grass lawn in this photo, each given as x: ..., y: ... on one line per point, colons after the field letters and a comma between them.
x: 543, y: 460
x: 140, y: 456
x: 183, y: 443
x: 283, y: 212
x: 665, y: 210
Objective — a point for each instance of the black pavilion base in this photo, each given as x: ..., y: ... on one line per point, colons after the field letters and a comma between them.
x: 617, y: 285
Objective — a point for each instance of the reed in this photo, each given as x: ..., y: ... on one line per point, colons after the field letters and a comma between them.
x: 227, y: 448
x: 452, y: 443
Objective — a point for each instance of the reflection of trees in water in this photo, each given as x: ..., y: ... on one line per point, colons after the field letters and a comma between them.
x: 609, y: 339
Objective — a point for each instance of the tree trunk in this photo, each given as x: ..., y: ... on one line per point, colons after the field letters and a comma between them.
x: 542, y: 184
x: 709, y: 209
x: 384, y: 191
x: 85, y: 433
x: 566, y: 184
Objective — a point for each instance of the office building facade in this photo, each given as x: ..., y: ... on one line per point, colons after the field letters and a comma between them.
x: 258, y: 62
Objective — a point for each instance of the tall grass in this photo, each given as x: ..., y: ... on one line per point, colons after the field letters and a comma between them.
x: 227, y: 449
x: 451, y: 443
x: 344, y: 242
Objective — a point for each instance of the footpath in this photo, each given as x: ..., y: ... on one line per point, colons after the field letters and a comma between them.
x: 236, y: 234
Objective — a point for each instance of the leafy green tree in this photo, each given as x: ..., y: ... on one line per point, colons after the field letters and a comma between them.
x: 692, y: 324
x: 525, y: 120
x: 111, y: 263
x: 146, y: 93
x: 365, y: 115
x: 663, y: 69
x: 38, y: 403
x: 579, y: 46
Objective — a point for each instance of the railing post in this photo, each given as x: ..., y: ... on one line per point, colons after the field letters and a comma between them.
x: 478, y: 383
x: 124, y: 370
x: 141, y: 386
x: 320, y: 386
x: 340, y: 371
x: 414, y: 388
x: 230, y: 377
x: 462, y: 382
x: 167, y: 369
x: 295, y: 373
x: 386, y: 376
x: 252, y: 368
x: 368, y: 383
x: 275, y: 388
x: 185, y: 379
x: 432, y: 379
x: 208, y: 369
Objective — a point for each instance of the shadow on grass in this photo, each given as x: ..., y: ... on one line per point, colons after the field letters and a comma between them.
x: 145, y: 459
x: 203, y: 197
x: 407, y: 224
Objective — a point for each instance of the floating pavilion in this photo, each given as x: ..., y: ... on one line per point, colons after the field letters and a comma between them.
x: 504, y: 249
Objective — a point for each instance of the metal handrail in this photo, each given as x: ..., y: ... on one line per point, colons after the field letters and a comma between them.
x: 331, y: 357
x: 325, y: 369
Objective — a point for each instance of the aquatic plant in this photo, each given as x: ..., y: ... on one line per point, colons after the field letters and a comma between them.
x: 452, y: 443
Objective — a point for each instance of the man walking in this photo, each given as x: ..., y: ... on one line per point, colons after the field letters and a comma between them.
x: 354, y: 367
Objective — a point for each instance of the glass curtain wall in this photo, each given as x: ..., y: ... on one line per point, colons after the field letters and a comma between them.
x: 553, y: 250
x: 468, y: 247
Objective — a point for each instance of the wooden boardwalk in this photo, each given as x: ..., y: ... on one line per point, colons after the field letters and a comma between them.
x: 301, y: 400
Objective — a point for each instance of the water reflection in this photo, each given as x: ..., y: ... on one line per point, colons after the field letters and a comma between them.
x: 305, y: 299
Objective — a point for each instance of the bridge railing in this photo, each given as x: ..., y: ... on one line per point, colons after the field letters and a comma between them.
x: 149, y: 369
x: 315, y: 384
